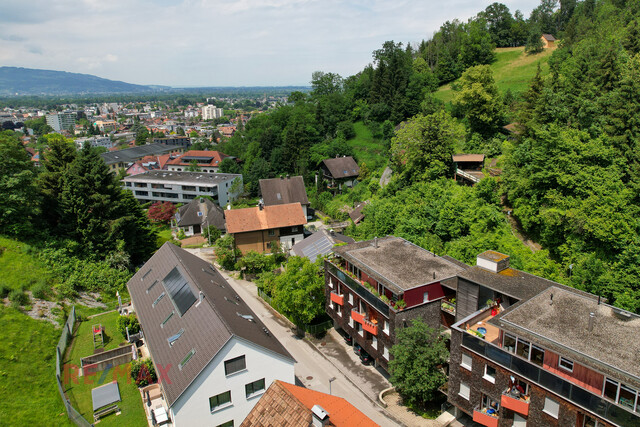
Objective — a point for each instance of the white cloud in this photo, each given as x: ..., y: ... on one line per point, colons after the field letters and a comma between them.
x: 218, y: 42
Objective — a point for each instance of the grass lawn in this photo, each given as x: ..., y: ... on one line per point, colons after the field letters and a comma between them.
x: 82, y: 344
x: 366, y: 148
x: 132, y: 412
x: 28, y: 392
x: 19, y: 268
x: 513, y: 69
x: 164, y: 235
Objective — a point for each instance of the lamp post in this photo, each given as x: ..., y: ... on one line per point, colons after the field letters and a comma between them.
x: 332, y: 379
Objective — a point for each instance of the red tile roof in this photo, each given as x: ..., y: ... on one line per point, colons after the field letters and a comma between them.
x: 285, y: 404
x: 216, y: 156
x: 252, y: 219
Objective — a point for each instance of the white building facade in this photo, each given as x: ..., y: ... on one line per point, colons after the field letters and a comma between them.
x: 95, y: 141
x: 210, y: 112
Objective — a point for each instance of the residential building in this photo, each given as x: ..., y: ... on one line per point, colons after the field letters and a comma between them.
x: 258, y: 229
x: 287, y: 405
x: 210, y: 112
x: 213, y: 355
x: 198, y: 214
x: 207, y: 161
x: 340, y: 171
x: 182, y: 187
x: 62, y: 121
x: 281, y: 191
x: 95, y: 141
x: 373, y: 288
x: 227, y: 131
x: 120, y: 159
x: 182, y: 141
x: 468, y: 167
x: 106, y: 126
x: 357, y: 214
x: 529, y: 351
x: 148, y: 163
x: 319, y: 244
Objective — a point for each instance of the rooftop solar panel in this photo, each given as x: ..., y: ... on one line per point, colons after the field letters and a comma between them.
x: 179, y: 291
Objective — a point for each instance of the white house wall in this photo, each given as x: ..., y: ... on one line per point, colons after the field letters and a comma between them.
x: 192, y: 407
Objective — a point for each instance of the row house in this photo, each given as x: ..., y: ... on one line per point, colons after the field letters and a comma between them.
x: 526, y: 351
x: 375, y: 287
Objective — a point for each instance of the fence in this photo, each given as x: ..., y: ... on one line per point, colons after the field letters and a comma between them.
x: 312, y: 329
x: 110, y: 358
x: 67, y: 333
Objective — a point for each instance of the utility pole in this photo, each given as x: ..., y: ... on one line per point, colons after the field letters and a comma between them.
x: 332, y: 379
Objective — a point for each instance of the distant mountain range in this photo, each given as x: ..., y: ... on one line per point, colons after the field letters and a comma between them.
x: 17, y: 81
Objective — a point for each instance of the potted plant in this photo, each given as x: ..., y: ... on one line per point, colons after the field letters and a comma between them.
x: 400, y: 304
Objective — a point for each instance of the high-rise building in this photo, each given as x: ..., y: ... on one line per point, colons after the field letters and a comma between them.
x: 62, y: 121
x: 210, y: 112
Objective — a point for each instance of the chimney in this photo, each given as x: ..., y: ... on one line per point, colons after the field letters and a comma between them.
x: 260, y: 206
x: 592, y: 318
x: 320, y: 416
x: 493, y: 261
x: 200, y: 297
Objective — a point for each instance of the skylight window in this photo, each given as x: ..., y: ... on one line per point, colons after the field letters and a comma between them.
x: 152, y: 285
x: 173, y: 338
x: 158, y: 300
x: 187, y: 358
x: 144, y: 276
x: 167, y: 319
x: 179, y: 291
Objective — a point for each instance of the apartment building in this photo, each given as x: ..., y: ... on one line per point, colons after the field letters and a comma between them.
x: 210, y: 112
x: 122, y: 159
x: 182, y: 187
x: 207, y: 161
x: 373, y: 288
x: 62, y: 121
x: 538, y: 353
x: 182, y: 141
x: 95, y: 141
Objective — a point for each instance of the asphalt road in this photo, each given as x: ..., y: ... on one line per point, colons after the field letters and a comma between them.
x: 312, y: 370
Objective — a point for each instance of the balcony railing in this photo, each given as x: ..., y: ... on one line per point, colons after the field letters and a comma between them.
x: 519, y: 404
x: 357, y: 316
x: 575, y: 394
x: 363, y: 292
x: 481, y: 416
x: 338, y: 299
x: 370, y: 327
x: 448, y: 307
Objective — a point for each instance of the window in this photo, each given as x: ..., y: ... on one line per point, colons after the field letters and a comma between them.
x: 566, y: 364
x: 227, y: 424
x: 522, y: 349
x: 611, y: 389
x: 330, y: 282
x: 374, y: 342
x: 173, y: 338
x: 509, y: 343
x: 488, y: 402
x: 254, y: 388
x: 294, y: 229
x: 186, y: 358
x: 627, y: 397
x: 144, y: 276
x: 234, y: 365
x: 199, y: 213
x: 339, y: 310
x: 351, y: 321
x: 219, y: 401
x: 464, y: 391
x: 351, y: 299
x: 519, y: 421
x: 152, y: 285
x: 590, y: 422
x: 272, y: 233
x: 551, y: 407
x: 385, y: 327
x: 385, y: 352
x: 537, y: 355
x: 489, y: 374
x: 167, y: 319
x: 425, y: 297
x: 359, y: 329
x: 467, y: 361
x: 158, y: 300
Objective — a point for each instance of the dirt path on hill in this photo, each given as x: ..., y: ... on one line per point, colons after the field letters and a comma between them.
x: 517, y: 231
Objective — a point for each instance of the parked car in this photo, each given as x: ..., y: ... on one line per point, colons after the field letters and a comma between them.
x: 365, y: 358
x: 348, y: 339
x: 357, y: 349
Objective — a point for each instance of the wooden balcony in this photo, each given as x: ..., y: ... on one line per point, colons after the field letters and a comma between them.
x: 485, y: 419
x: 516, y: 404
x: 357, y: 316
x: 370, y: 327
x: 338, y: 299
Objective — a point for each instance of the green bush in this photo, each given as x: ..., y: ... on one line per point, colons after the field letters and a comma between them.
x: 18, y: 297
x: 130, y: 321
x: 41, y: 290
x: 143, y: 372
x: 4, y: 290
x: 214, y: 231
x: 181, y: 234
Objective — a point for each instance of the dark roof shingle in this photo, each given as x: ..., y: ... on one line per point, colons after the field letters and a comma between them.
x: 280, y: 191
x: 342, y: 167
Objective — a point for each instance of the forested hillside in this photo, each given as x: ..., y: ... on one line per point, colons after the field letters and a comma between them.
x: 570, y: 169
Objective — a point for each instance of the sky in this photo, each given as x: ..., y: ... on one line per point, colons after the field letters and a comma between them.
x: 188, y: 43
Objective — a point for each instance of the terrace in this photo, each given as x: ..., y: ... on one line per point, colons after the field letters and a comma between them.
x: 479, y: 326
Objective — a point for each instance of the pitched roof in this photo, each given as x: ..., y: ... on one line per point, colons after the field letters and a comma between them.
x: 200, y: 211
x: 168, y: 283
x: 357, y: 215
x: 342, y: 167
x: 203, y: 157
x: 280, y: 191
x: 134, y: 153
x: 252, y: 219
x: 319, y: 243
x: 549, y: 37
x: 285, y: 404
x: 468, y: 157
